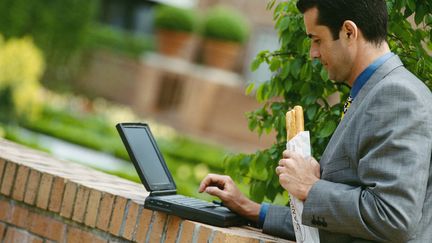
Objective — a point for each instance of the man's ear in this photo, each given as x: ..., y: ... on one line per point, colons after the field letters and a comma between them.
x: 349, y: 31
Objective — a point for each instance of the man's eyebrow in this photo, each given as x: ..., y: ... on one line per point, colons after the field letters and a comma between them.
x: 311, y: 36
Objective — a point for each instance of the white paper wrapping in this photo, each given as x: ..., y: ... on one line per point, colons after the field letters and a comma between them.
x: 301, y: 144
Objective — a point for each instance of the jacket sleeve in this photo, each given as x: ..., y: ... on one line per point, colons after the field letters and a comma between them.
x: 278, y: 222
x: 394, y: 150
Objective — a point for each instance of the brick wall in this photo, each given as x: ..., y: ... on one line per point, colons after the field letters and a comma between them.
x: 43, y: 199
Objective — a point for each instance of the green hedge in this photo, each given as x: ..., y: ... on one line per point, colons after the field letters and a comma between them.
x: 95, y: 132
x: 189, y: 160
x: 58, y: 27
x: 116, y: 40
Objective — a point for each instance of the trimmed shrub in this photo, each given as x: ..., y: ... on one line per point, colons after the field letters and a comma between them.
x: 225, y: 24
x: 174, y: 18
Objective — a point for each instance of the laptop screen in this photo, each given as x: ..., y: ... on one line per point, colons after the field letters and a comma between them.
x: 147, y: 157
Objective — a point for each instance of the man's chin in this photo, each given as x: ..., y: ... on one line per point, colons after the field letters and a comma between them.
x: 335, y: 79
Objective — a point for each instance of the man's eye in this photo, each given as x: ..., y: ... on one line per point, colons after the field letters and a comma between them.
x: 317, y: 41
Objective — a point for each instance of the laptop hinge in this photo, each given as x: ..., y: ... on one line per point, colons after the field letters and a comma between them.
x: 162, y: 193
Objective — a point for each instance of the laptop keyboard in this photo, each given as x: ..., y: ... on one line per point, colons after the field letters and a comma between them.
x: 189, y: 201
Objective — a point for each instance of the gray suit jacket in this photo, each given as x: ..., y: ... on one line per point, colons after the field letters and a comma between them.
x: 376, y: 175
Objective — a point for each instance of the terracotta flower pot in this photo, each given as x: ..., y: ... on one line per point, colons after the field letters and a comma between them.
x: 176, y: 44
x: 222, y: 54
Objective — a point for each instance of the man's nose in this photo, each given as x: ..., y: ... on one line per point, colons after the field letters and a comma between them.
x: 314, y: 53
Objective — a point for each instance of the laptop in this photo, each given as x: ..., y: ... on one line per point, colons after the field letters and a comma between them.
x: 157, y: 179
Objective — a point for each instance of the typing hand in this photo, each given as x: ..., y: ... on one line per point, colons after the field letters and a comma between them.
x: 223, y: 187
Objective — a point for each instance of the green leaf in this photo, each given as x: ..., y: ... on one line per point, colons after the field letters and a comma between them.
x: 305, y: 71
x: 284, y: 24
x: 271, y: 192
x: 420, y: 13
x: 256, y: 63
x: 268, y: 125
x: 287, y: 85
x: 305, y: 90
x: 278, y: 10
x: 260, y: 93
x: 285, y: 71
x: 310, y: 112
x: 275, y: 64
x: 257, y: 190
x: 411, y: 5
x: 324, y: 74
x: 259, y: 167
x: 310, y: 99
x: 252, y: 124
x: 328, y: 129
x: 250, y: 88
x: 270, y: 4
x: 295, y: 67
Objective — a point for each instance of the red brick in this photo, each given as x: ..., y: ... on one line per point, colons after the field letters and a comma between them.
x: 219, y: 237
x: 19, y: 216
x: 56, y: 194
x: 204, y: 234
x: 17, y: 235
x: 80, y: 204
x: 104, y: 212
x: 117, y: 215
x: 2, y: 230
x: 8, y: 179
x: 44, y: 191
x: 187, y: 231
x: 131, y: 221
x: 2, y: 166
x: 172, y: 229
x: 143, y: 225
x: 159, y: 220
x: 47, y: 227
x: 68, y: 199
x: 92, y: 208
x: 20, y: 183
x: 5, y: 211
x: 77, y: 235
x: 32, y: 187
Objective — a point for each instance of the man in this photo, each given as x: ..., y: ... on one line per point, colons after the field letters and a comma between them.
x: 374, y: 181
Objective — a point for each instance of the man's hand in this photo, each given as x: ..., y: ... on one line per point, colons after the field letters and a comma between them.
x: 297, y: 175
x: 223, y: 187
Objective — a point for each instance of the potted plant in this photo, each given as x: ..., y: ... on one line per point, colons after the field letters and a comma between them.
x: 225, y: 31
x: 174, y: 31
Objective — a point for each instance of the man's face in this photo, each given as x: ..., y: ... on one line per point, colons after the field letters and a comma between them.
x: 333, y: 54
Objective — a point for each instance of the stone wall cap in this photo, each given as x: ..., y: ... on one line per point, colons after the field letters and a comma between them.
x: 184, y: 67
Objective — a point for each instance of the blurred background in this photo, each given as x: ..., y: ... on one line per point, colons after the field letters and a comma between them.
x: 71, y: 69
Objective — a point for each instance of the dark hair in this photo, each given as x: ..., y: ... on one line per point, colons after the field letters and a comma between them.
x: 370, y: 16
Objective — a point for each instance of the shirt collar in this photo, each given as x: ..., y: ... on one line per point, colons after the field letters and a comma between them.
x: 367, y: 73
